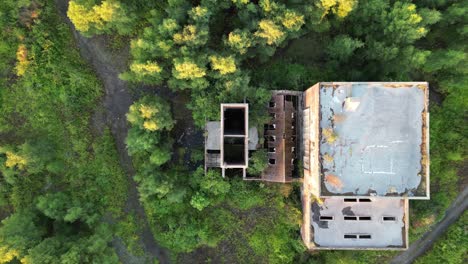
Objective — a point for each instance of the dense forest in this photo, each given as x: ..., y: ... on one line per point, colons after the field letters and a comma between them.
x: 64, y: 192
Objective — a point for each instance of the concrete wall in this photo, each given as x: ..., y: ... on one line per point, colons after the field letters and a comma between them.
x: 310, y: 188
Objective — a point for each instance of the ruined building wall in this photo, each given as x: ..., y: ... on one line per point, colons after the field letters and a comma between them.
x: 311, y: 184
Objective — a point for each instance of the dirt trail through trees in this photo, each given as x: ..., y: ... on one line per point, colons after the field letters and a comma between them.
x: 423, y: 244
x: 116, y: 102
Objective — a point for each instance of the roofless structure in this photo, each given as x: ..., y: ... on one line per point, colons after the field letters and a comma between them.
x: 227, y: 143
x: 362, y: 148
x: 234, y: 137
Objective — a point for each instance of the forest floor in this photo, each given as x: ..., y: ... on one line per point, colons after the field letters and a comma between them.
x: 420, y: 246
x: 115, y: 103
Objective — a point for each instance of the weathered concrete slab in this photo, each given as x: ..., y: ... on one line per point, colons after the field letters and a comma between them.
x: 253, y: 138
x: 381, y: 234
x: 213, y: 140
x: 371, y: 136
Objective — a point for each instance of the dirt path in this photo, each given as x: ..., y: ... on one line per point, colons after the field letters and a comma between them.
x: 116, y: 102
x: 423, y: 244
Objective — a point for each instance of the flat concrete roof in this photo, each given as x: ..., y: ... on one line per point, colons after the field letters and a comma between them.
x: 213, y: 139
x: 364, y: 225
x: 371, y: 139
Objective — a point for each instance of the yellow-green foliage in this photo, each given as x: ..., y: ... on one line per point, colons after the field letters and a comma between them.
x: 268, y: 5
x: 269, y: 31
x: 150, y: 125
x: 147, y: 111
x: 169, y: 26
x: 292, y: 21
x: 415, y: 19
x: 145, y: 114
x: 199, y: 13
x: 224, y: 65
x: 339, y: 7
x: 98, y: 16
x: 139, y: 44
x: 80, y: 16
x: 8, y: 254
x: 150, y: 115
x: 22, y: 60
x: 106, y: 11
x: 188, y: 34
x: 239, y: 40
x: 241, y: 2
x: 147, y: 68
x: 330, y: 135
x: 187, y: 70
x: 15, y: 160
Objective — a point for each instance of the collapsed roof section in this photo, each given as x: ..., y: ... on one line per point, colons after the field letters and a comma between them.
x: 281, y: 136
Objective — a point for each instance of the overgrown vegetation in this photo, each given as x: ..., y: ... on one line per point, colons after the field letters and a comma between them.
x: 258, y: 162
x: 205, y: 48
x: 450, y: 248
x: 187, y: 209
x: 418, y: 41
x: 58, y: 179
x: 60, y: 184
x: 224, y: 52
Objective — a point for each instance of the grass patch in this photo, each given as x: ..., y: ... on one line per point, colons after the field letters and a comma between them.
x: 128, y: 230
x: 450, y: 248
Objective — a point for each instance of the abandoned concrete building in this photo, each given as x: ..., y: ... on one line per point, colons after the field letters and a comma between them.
x: 360, y: 149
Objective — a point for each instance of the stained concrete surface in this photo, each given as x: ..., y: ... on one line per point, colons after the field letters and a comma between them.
x: 383, y: 233
x: 213, y: 140
x: 378, y: 133
x: 253, y: 138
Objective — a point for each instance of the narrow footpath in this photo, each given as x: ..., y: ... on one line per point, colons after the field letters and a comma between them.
x: 420, y: 246
x: 116, y: 101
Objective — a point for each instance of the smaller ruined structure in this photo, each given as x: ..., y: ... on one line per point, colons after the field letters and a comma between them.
x: 281, y: 136
x: 227, y: 141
